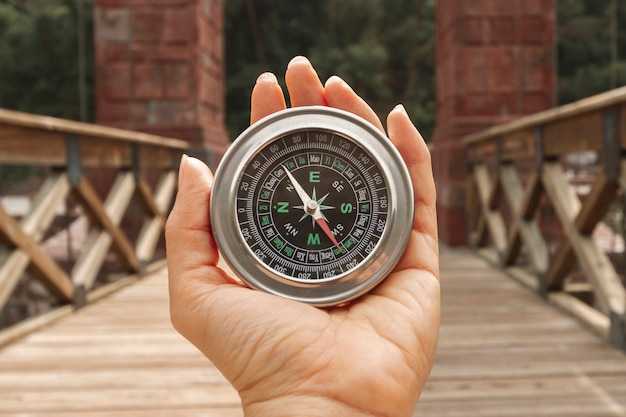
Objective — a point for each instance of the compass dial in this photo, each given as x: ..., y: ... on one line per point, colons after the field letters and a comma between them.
x: 312, y: 204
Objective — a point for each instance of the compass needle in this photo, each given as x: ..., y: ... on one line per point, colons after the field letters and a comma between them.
x: 319, y: 163
x: 321, y: 221
x: 304, y: 197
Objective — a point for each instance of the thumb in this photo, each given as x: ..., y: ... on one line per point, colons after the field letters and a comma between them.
x: 188, y: 237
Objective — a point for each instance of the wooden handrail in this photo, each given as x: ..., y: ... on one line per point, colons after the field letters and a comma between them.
x: 11, y: 118
x: 41, y: 140
x: 65, y: 148
x: 571, y: 110
x: 517, y: 170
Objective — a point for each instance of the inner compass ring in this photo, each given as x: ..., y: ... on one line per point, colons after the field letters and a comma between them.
x: 347, y: 215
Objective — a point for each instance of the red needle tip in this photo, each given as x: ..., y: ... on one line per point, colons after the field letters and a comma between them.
x: 324, y: 226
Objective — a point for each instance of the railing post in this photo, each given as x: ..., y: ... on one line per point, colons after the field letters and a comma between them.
x: 176, y: 156
x: 74, y: 173
x: 617, y: 331
x: 542, y: 276
x: 539, y: 154
x: 611, y: 163
x: 74, y: 169
x: 470, y: 200
x: 135, y: 160
x: 80, y: 296
x: 136, y: 167
x: 611, y: 152
x: 496, y: 194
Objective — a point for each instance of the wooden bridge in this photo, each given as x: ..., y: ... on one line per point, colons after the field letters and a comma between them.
x: 503, y: 352
x: 532, y: 315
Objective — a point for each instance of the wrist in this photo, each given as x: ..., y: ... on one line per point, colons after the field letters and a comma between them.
x: 305, y: 406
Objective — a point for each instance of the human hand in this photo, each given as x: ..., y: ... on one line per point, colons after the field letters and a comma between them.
x: 285, y: 358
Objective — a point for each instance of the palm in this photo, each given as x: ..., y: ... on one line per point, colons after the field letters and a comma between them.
x: 280, y: 344
x: 372, y: 355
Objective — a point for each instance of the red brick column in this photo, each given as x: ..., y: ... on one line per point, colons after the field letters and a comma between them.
x: 160, y: 69
x: 495, y: 62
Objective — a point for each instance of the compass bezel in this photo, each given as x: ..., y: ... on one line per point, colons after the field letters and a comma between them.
x: 319, y: 292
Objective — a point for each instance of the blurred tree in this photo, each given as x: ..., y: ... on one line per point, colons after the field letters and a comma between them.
x: 383, y: 49
x: 39, y: 70
x: 591, y: 34
x: 262, y: 35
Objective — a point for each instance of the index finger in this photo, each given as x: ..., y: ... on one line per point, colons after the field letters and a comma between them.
x: 303, y: 83
x: 267, y: 97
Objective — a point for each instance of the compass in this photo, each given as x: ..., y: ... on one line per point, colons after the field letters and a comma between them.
x: 312, y: 203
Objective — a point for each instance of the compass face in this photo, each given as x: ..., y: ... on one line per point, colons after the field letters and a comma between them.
x: 312, y: 204
x: 339, y: 178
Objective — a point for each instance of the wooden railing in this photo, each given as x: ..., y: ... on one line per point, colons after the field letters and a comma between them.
x: 142, y: 169
x: 525, y: 205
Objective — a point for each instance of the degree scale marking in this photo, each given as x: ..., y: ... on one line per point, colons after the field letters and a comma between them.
x: 264, y: 173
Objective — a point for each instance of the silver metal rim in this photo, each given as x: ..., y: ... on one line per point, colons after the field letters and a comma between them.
x: 345, y: 287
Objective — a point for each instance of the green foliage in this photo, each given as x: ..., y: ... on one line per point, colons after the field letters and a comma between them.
x: 383, y: 49
x: 39, y: 55
x: 10, y: 174
x: 585, y: 38
x: 262, y: 35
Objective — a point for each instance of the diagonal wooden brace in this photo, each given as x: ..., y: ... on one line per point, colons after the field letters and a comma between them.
x: 34, y: 224
x: 158, y: 205
x: 493, y: 218
x: 51, y: 274
x: 88, y: 197
x: 586, y: 218
x: 597, y: 267
x: 523, y: 204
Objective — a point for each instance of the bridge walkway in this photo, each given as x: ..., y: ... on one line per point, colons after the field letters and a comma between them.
x: 503, y: 352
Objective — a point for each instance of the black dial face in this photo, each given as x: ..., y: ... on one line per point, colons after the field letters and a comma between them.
x: 312, y: 205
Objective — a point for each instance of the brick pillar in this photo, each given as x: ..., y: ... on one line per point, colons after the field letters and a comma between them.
x: 495, y: 62
x: 160, y: 69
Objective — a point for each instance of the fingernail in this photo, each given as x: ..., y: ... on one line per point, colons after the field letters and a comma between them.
x: 181, y: 167
x: 266, y: 76
x: 400, y: 108
x: 298, y: 60
x: 335, y: 79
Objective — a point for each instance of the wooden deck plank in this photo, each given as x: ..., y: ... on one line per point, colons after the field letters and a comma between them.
x: 119, y: 356
x: 503, y: 352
